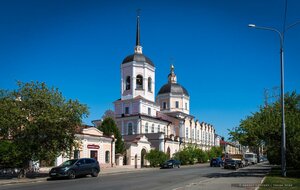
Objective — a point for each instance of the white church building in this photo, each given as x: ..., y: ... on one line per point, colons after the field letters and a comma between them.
x: 162, y: 122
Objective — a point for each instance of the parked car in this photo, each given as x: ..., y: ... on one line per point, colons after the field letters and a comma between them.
x: 218, y: 162
x: 76, y: 167
x: 171, y: 164
x: 231, y: 164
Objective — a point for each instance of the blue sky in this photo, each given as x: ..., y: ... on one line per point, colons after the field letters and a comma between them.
x: 78, y: 46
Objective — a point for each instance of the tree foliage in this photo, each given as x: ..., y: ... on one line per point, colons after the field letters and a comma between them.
x: 156, y: 157
x: 36, y: 123
x: 264, y: 128
x: 109, y: 127
x: 214, y: 152
x: 192, y: 154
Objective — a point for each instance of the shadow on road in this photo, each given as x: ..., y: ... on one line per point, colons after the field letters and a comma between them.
x: 245, y: 172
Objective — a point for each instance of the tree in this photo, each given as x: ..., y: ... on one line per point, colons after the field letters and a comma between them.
x: 214, y: 152
x: 264, y: 127
x: 109, y: 127
x: 37, y: 123
x: 156, y: 157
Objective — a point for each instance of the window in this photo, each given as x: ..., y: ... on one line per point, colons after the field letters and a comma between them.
x: 177, y: 104
x: 164, y: 105
x: 146, y: 128
x: 186, y: 132
x: 107, y: 156
x: 126, y: 110
x: 186, y: 106
x: 192, y: 135
x: 158, y: 128
x: 127, y: 83
x: 150, y: 84
x: 149, y: 111
x: 139, y: 82
x: 129, y: 128
x: 152, y: 128
x: 76, y: 154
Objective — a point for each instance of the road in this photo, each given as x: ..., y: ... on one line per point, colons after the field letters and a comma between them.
x: 191, y: 177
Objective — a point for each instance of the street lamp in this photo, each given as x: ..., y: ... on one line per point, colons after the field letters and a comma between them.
x: 283, y: 139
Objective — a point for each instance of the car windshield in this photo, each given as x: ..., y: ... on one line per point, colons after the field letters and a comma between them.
x: 68, y: 163
x: 248, y: 155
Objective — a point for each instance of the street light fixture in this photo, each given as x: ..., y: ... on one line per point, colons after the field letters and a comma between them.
x: 283, y: 136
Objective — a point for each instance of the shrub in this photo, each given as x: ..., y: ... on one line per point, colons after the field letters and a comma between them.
x: 156, y: 157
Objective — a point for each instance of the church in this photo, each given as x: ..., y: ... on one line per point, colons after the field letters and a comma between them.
x: 160, y: 122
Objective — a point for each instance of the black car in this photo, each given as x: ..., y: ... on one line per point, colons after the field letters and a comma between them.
x: 76, y: 167
x: 171, y: 164
x: 231, y: 164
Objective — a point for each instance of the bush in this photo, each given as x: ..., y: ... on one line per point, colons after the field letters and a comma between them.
x: 156, y: 157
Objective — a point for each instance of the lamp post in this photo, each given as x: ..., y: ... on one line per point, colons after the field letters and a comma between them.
x: 283, y: 136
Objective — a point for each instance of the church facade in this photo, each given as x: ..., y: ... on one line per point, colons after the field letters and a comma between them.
x: 163, y: 122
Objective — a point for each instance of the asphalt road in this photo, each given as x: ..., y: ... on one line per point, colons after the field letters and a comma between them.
x: 194, y: 177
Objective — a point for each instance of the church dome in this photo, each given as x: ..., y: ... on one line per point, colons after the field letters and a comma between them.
x: 173, y: 88
x: 138, y: 57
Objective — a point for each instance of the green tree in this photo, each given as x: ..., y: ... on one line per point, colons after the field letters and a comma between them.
x: 264, y: 127
x: 37, y: 123
x: 109, y: 127
x: 156, y: 157
x: 214, y: 152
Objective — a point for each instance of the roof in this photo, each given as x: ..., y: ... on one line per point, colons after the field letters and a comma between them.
x: 138, y: 57
x: 173, y: 88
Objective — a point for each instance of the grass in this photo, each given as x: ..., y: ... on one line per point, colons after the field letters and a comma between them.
x: 274, y: 180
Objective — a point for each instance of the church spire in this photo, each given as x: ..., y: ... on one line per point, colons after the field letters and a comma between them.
x: 138, y: 47
x: 172, y: 77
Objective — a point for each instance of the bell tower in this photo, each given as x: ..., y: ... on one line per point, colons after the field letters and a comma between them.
x: 137, y: 72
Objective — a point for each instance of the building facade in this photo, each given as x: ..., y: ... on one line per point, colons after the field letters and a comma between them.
x: 162, y: 122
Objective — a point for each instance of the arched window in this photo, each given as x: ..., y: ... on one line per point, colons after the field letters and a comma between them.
x: 139, y: 82
x: 127, y: 83
x: 107, y: 156
x: 146, y: 128
x: 152, y: 129
x: 150, y: 84
x: 129, y: 128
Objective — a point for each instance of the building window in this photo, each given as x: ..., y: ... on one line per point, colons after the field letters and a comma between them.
x: 152, y: 128
x: 76, y: 154
x: 149, y: 111
x: 150, y: 84
x: 164, y: 105
x: 129, y: 128
x: 177, y: 104
x: 158, y: 128
x: 139, y: 82
x: 186, y: 107
x: 107, y: 156
x: 126, y: 110
x: 192, y: 136
x: 127, y: 83
x: 146, y: 128
x: 186, y: 132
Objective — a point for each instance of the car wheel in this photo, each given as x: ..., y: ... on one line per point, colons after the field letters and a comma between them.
x: 71, y: 174
x: 94, y: 173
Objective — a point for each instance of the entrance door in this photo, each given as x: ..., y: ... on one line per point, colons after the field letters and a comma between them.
x: 94, y: 154
x: 143, y: 153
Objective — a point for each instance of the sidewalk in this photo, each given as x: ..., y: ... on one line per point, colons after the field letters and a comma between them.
x: 43, y: 175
